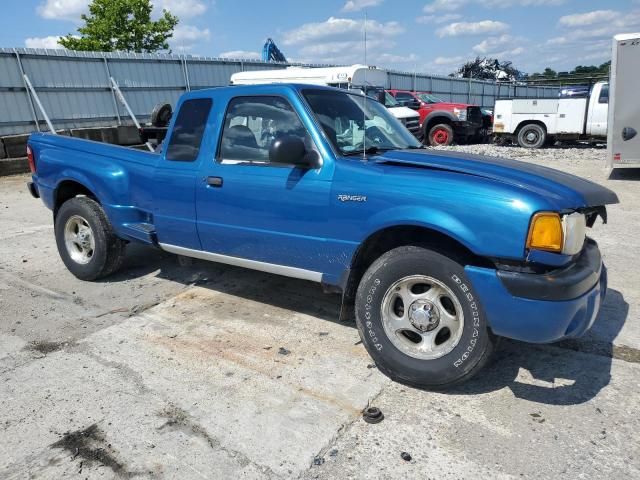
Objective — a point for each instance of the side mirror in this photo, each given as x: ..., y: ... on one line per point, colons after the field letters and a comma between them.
x: 290, y: 150
x: 414, y: 105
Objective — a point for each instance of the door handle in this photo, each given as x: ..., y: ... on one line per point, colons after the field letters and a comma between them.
x: 214, y: 181
x: 628, y: 133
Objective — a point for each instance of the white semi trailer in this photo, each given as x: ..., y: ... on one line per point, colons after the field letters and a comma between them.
x: 534, y: 122
x: 623, y: 141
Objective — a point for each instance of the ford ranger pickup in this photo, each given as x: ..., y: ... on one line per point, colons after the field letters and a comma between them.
x: 437, y: 254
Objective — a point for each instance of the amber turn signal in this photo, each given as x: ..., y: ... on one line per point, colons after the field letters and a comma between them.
x: 545, y: 232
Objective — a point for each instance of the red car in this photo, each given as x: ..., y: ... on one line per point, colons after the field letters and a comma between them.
x: 443, y: 122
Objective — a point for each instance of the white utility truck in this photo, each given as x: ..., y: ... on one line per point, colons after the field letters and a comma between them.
x: 370, y: 81
x: 536, y: 122
x: 623, y: 143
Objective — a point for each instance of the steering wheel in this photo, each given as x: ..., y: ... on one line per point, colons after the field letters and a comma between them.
x: 376, y: 135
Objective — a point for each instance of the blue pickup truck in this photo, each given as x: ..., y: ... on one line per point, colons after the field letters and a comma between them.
x: 437, y: 254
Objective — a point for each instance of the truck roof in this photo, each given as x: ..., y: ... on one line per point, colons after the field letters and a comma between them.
x: 262, y: 88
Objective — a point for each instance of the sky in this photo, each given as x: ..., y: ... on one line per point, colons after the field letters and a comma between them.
x: 434, y: 36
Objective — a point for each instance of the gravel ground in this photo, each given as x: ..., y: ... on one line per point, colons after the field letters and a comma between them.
x: 210, y: 371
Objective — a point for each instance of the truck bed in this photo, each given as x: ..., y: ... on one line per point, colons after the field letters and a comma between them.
x: 121, y: 177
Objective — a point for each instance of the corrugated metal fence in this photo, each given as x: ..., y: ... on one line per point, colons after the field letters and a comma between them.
x: 75, y: 89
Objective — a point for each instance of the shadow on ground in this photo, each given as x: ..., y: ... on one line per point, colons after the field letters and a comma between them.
x: 557, y: 376
x: 625, y: 174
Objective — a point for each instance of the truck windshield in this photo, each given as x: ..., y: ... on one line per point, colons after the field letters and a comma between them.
x: 428, y: 98
x: 356, y: 124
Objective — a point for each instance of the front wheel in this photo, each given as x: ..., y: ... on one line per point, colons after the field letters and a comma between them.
x: 420, y: 319
x: 440, y: 135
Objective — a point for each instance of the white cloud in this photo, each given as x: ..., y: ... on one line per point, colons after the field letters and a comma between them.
x: 438, y: 6
x: 190, y: 34
x: 588, y: 18
x: 72, y: 9
x: 335, y: 28
x: 244, y: 54
x: 438, y: 19
x: 43, y: 42
x: 521, y: 3
x: 448, y: 60
x: 181, y: 8
x: 443, y: 6
x: 357, y: 5
x: 393, y: 58
x: 185, y: 37
x: 490, y: 44
x: 63, y: 9
x: 472, y: 28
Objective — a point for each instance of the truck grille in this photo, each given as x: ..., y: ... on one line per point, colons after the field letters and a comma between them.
x: 413, y: 125
x: 474, y: 115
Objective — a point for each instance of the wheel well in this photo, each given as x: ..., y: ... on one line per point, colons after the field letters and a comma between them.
x: 387, y: 239
x: 67, y: 190
x: 530, y: 122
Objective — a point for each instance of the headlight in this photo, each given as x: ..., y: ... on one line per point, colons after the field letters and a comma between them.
x: 461, y: 114
x: 548, y: 231
x: 574, y: 227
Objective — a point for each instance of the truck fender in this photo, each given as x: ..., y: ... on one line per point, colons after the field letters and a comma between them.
x: 438, y: 114
x: 419, y: 216
x: 110, y: 190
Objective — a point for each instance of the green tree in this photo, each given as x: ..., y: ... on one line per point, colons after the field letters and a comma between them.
x: 122, y: 25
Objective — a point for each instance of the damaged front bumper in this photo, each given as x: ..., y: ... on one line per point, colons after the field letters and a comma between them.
x: 543, y: 308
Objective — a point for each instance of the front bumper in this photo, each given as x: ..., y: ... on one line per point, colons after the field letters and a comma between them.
x: 543, y: 308
x: 466, y: 129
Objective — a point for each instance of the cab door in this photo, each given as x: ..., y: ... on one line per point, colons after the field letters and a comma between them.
x: 174, y: 182
x: 251, y: 209
x: 599, y: 112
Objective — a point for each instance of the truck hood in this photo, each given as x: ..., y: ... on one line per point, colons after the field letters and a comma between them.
x: 450, y: 106
x: 566, y: 191
x: 403, y: 112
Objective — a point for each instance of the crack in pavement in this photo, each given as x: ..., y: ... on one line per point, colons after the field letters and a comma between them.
x: 181, y: 420
x: 344, y: 429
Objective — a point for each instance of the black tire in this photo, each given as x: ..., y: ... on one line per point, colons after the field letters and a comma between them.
x: 108, y: 254
x: 440, y: 134
x: 476, y: 342
x: 532, y: 135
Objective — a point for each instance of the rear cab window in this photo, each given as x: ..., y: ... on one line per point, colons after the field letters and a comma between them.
x: 188, y: 129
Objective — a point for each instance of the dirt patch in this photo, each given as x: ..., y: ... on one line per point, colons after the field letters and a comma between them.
x: 178, y: 419
x: 604, y: 349
x: 90, y: 446
x: 46, y: 347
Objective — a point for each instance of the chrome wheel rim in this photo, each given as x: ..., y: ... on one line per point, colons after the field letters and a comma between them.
x: 79, y: 239
x: 422, y: 317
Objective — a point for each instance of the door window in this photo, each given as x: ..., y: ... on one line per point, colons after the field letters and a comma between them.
x: 251, y: 126
x: 604, y: 94
x: 188, y: 130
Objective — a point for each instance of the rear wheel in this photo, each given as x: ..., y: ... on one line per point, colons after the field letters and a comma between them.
x: 440, y: 135
x: 86, y: 241
x: 420, y: 319
x: 532, y: 136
